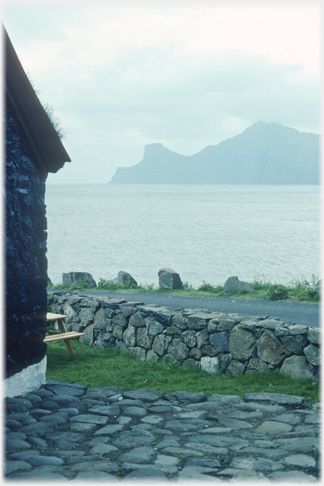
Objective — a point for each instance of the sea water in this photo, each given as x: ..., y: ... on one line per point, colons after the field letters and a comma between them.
x: 203, y: 232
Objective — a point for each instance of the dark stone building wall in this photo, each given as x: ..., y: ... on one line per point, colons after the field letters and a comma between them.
x: 26, y: 263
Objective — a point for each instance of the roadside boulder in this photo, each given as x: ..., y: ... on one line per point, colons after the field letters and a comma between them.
x: 233, y: 284
x: 123, y: 278
x: 74, y: 279
x: 169, y: 279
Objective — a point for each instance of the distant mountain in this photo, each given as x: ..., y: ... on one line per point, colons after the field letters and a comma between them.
x: 265, y: 153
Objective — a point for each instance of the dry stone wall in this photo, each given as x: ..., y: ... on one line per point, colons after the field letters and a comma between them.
x: 218, y: 343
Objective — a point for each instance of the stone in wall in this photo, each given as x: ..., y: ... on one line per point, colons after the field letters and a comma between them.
x: 270, y: 349
x: 241, y: 343
x: 143, y: 338
x: 129, y: 336
x: 211, y: 365
x: 294, y: 344
x: 297, y: 368
x: 220, y: 341
x: 313, y: 335
x: 159, y: 345
x: 312, y: 354
x: 189, y: 338
x: 178, y: 350
x: 155, y: 328
x: 235, y: 368
x: 249, y: 344
x: 256, y: 365
x: 137, y: 320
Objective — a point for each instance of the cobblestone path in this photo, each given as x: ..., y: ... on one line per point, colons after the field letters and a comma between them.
x: 66, y: 432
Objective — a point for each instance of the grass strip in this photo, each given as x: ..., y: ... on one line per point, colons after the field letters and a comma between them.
x: 96, y: 368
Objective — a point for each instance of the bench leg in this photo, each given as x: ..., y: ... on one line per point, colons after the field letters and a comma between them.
x: 66, y: 341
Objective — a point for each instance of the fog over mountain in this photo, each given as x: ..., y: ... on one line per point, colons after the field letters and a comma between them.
x: 265, y: 153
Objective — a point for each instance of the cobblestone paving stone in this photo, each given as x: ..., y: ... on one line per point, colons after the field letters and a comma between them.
x: 68, y: 433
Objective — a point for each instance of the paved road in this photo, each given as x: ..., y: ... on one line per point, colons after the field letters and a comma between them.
x: 290, y: 312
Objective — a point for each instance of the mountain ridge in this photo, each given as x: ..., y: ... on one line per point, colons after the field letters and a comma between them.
x: 264, y: 153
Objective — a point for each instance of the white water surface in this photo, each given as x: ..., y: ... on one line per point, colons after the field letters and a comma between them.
x: 203, y: 232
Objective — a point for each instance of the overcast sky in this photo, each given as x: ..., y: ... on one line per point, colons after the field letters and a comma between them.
x: 120, y: 75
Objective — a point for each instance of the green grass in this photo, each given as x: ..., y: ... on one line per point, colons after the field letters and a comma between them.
x: 293, y: 291
x: 96, y: 368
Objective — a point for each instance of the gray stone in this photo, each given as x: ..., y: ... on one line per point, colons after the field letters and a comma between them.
x: 16, y: 444
x: 241, y: 343
x: 256, y: 365
x: 233, y: 284
x: 274, y: 399
x: 269, y: 349
x: 195, y: 353
x: 108, y: 410
x: 86, y: 316
x: 129, y: 335
x: 39, y: 428
x: 178, y: 350
x: 45, y: 460
x: 270, y: 427
x: 155, y: 328
x: 16, y: 466
x: 186, y: 398
x: 158, y: 344
x: 95, y: 476
x: 313, y: 354
x: 169, y: 279
x: 190, y: 363
x: 225, y: 324
x: 297, y: 368
x: 144, y: 394
x: 89, y: 335
x: 185, y: 425
x: 109, y: 430
x: 198, y: 320
x: 139, y: 455
x: 220, y: 341
x: 301, y: 460
x: 103, y: 465
x: 74, y: 279
x: 211, y: 365
x: 134, y: 412
x: 82, y: 427
x: 295, y: 477
x: 190, y: 473
x: 202, y: 338
x: 136, y: 320
x: 90, y: 418
x: 136, y: 438
x: 189, y: 338
x: 37, y: 442
x: 294, y: 344
x: 269, y: 324
x: 138, y: 352
x: 179, y: 321
x: 148, y: 473
x: 123, y: 278
x: 314, y: 335
x: 258, y: 464
x: 143, y: 338
x: 152, y: 356
x: 208, y: 350
x: 235, y: 368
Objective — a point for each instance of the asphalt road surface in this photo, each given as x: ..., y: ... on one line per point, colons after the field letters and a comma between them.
x: 291, y: 312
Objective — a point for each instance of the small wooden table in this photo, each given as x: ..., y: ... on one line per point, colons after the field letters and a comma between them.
x: 62, y: 333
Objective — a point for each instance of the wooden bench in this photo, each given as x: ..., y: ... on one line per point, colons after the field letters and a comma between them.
x: 62, y: 333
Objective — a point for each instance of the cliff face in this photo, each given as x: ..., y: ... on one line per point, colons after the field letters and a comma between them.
x: 265, y: 153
